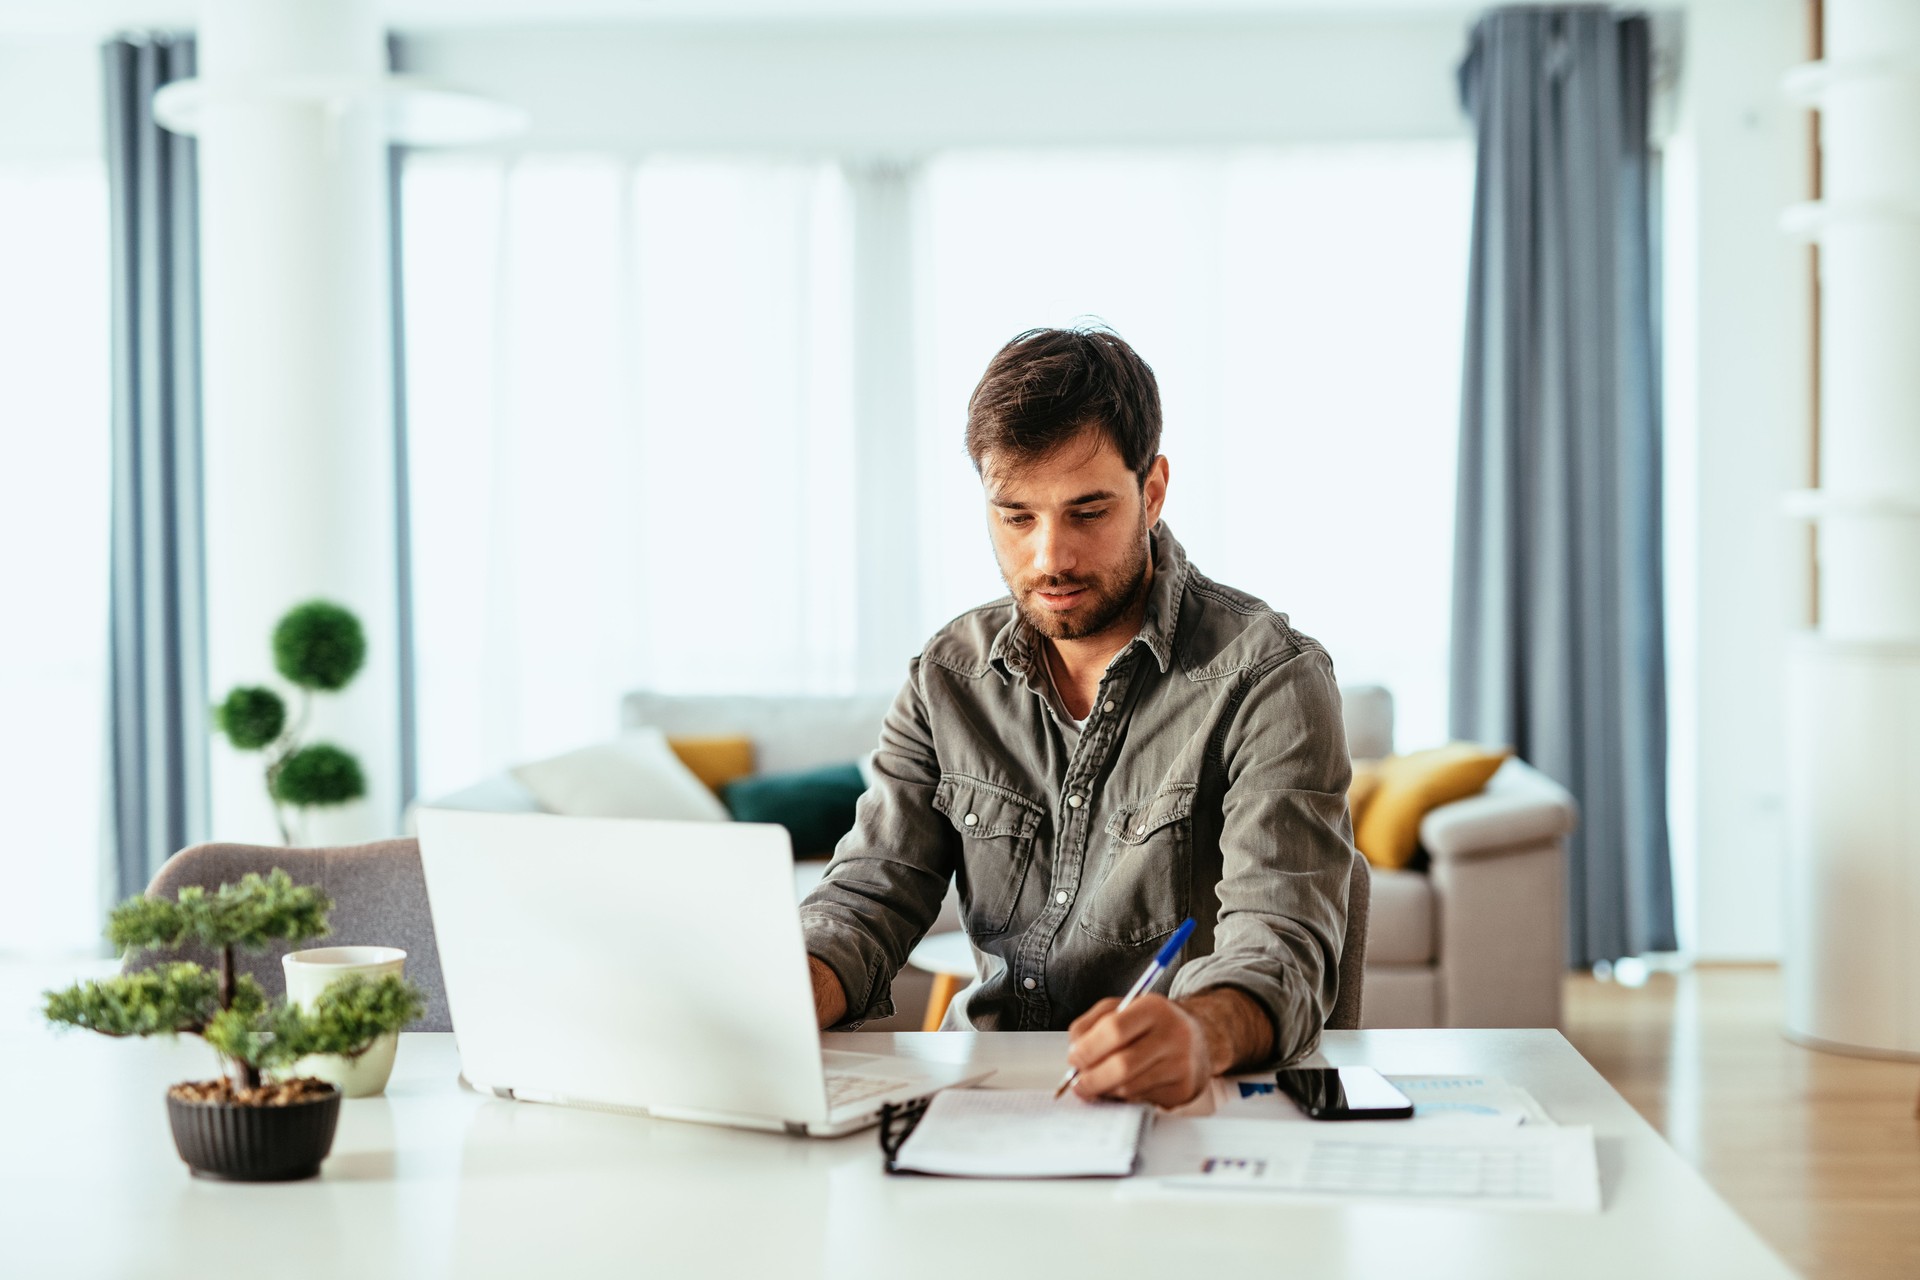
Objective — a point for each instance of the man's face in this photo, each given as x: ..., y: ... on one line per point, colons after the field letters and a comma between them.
x: 1070, y: 533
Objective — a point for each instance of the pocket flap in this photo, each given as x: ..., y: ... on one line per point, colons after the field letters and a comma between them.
x: 1136, y: 824
x: 983, y: 810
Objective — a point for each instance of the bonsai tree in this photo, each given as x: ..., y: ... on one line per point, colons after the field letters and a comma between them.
x: 318, y: 647
x: 230, y: 1012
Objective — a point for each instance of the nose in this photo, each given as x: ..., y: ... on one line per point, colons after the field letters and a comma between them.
x: 1052, y: 550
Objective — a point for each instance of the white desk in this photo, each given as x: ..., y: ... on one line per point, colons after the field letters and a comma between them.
x: 433, y: 1180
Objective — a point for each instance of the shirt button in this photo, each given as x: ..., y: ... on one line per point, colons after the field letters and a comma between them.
x: 1073, y: 802
x: 1140, y: 830
x: 1028, y: 983
x: 1106, y: 706
x: 1061, y: 897
x: 972, y: 819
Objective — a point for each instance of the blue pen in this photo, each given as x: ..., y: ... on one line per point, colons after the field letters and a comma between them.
x: 1154, y: 970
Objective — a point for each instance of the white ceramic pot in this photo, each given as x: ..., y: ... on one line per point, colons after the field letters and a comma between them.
x: 311, y: 972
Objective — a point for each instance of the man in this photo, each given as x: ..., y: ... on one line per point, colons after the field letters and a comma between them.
x: 1119, y: 744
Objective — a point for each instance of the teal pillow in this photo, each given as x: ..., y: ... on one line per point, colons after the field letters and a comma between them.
x: 815, y: 806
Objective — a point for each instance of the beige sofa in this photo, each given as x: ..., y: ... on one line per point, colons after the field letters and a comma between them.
x: 1470, y: 937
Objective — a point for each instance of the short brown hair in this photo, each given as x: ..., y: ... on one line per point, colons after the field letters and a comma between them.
x: 1048, y: 385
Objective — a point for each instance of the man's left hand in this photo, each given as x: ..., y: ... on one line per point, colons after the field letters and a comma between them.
x: 1151, y: 1051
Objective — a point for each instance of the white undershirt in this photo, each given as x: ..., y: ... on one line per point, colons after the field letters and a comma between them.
x: 1067, y: 722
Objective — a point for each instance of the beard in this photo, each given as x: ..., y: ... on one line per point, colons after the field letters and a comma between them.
x: 1108, y: 597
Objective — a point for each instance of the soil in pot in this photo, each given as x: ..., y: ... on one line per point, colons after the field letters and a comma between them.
x: 275, y: 1133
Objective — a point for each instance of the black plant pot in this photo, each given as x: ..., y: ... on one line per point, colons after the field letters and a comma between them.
x: 254, y: 1144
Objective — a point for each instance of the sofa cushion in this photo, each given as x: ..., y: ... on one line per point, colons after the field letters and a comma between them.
x: 1367, y: 710
x: 633, y: 776
x: 1388, y: 831
x: 716, y: 761
x: 816, y: 806
x: 1399, y: 919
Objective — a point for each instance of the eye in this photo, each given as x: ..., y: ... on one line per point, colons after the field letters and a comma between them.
x: 1017, y: 519
x: 1091, y: 516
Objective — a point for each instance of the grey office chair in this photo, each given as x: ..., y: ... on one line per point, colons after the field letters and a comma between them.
x: 1353, y: 951
x: 379, y: 899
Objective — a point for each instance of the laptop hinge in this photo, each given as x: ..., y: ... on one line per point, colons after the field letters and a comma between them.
x: 501, y: 1092
x: 797, y: 1128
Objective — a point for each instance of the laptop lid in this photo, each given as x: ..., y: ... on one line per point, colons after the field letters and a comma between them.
x: 625, y: 962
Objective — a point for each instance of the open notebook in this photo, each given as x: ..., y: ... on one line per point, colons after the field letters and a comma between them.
x: 1022, y: 1133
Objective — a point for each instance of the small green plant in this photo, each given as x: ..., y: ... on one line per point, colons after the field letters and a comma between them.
x: 230, y: 1012
x: 318, y: 647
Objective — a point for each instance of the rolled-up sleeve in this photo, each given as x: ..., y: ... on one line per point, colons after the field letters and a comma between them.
x: 883, y: 889
x: 1286, y: 848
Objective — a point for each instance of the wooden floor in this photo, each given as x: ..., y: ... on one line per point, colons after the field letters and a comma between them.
x: 1820, y: 1153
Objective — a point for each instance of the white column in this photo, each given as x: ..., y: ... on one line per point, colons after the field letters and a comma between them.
x: 886, y: 522
x: 297, y: 376
x: 1853, y: 898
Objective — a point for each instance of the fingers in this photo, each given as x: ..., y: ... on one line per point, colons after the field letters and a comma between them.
x: 1151, y: 1051
x: 1106, y: 1028
x: 1137, y: 1072
x: 1080, y: 1024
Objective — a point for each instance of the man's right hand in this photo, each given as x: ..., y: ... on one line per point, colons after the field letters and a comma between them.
x: 829, y: 1001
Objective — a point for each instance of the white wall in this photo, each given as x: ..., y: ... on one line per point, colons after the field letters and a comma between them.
x: 1739, y: 400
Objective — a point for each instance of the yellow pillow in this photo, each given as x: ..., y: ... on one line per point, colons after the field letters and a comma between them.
x: 1366, y: 783
x: 1388, y: 830
x: 715, y: 761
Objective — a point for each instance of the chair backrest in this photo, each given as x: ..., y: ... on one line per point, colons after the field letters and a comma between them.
x: 1353, y: 950
x: 379, y: 899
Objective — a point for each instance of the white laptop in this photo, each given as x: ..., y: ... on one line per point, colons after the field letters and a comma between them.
x: 650, y: 967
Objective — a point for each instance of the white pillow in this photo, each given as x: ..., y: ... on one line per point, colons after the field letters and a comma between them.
x: 634, y: 776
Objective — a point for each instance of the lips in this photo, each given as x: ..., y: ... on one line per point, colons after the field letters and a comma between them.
x: 1060, y: 599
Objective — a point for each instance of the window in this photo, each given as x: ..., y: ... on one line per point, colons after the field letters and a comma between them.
x: 630, y: 407
x: 1302, y: 309
x: 629, y: 415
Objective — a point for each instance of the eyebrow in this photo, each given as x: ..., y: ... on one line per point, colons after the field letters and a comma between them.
x: 1102, y: 495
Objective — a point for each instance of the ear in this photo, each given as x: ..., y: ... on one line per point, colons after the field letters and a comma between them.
x: 1154, y: 492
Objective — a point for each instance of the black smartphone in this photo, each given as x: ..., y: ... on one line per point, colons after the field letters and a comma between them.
x: 1344, y: 1093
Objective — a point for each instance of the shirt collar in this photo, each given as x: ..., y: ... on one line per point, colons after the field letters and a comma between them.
x: 1014, y: 646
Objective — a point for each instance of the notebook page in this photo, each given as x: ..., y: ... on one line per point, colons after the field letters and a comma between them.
x: 1023, y: 1133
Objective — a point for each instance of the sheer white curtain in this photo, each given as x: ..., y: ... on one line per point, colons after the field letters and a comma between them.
x: 628, y: 405
x: 1302, y: 308
x: 55, y: 492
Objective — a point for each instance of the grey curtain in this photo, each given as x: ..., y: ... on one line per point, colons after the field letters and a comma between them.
x: 1558, y: 633
x: 157, y: 701
x: 402, y: 462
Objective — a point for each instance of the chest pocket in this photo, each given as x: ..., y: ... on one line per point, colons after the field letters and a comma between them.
x: 997, y: 829
x: 1145, y: 891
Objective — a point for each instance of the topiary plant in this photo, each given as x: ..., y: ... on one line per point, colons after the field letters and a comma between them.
x: 231, y: 1013
x: 317, y: 646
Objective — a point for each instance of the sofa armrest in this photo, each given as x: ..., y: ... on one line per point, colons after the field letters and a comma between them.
x: 1498, y: 875
x: 1520, y: 808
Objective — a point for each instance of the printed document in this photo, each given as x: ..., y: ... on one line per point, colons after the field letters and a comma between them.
x: 1490, y: 1166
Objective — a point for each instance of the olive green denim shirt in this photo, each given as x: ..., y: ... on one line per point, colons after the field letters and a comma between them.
x: 1211, y: 781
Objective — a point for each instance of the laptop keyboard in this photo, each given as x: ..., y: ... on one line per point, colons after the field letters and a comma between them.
x: 844, y: 1089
